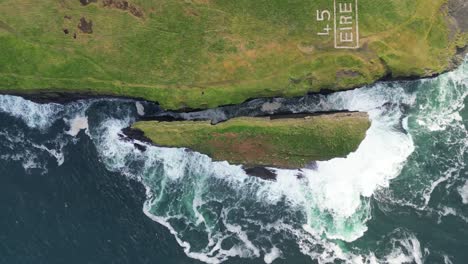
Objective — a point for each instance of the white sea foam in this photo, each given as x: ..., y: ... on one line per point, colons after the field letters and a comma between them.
x: 335, y: 190
x: 447, y: 260
x: 463, y: 191
x: 29, y: 153
x: 272, y: 255
x: 30, y: 161
x: 77, y: 124
x: 56, y: 153
x: 205, y: 204
x: 140, y: 108
x: 447, y: 211
x: 338, y: 185
x: 437, y: 124
x: 443, y: 108
x: 271, y: 107
x: 409, y: 251
x: 182, y: 186
x: 190, y: 194
x: 34, y: 115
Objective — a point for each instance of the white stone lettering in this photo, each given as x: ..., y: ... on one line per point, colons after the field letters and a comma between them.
x: 346, y: 24
x: 346, y: 37
x: 346, y: 7
x: 346, y: 20
x: 324, y: 15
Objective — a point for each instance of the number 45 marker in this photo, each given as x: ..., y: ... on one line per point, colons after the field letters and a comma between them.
x: 324, y: 15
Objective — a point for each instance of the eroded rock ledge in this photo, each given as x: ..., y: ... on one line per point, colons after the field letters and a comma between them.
x: 292, y: 141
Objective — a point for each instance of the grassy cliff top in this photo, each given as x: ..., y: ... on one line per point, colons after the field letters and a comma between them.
x: 205, y: 53
x: 254, y: 141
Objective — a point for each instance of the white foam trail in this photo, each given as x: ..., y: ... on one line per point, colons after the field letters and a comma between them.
x: 217, y: 254
x: 447, y: 260
x: 29, y: 153
x: 57, y: 154
x: 428, y: 192
x: 409, y: 252
x: 30, y: 161
x: 446, y: 211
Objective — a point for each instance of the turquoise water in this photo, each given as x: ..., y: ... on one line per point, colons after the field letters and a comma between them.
x: 74, y: 191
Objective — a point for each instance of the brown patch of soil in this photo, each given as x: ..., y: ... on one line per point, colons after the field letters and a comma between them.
x: 236, y: 149
x: 6, y: 27
x: 328, y: 114
x: 65, y: 30
x: 87, y: 2
x: 243, y: 150
x: 124, y: 6
x: 251, y: 54
x: 347, y: 74
x: 251, y: 149
x: 307, y: 49
x: 203, y: 2
x: 85, y: 26
x: 191, y: 12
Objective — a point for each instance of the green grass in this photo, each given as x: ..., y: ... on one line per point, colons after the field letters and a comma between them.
x: 205, y: 53
x: 286, y: 143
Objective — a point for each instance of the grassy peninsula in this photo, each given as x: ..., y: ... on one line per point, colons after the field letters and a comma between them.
x: 261, y: 141
x: 205, y: 53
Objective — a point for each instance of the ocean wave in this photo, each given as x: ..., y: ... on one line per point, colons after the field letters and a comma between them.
x: 438, y: 129
x: 39, y: 116
x: 215, y: 211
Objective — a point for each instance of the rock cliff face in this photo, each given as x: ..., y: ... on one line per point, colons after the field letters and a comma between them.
x: 458, y: 10
x: 458, y: 24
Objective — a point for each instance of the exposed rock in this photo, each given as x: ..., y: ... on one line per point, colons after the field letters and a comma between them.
x: 458, y: 9
x: 124, y: 6
x: 85, y: 26
x: 136, y: 134
x: 87, y: 2
x: 458, y: 23
x: 347, y: 74
x: 261, y: 172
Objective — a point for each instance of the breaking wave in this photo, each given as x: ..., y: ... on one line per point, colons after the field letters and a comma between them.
x: 215, y: 211
x: 34, y: 115
x: 442, y: 139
